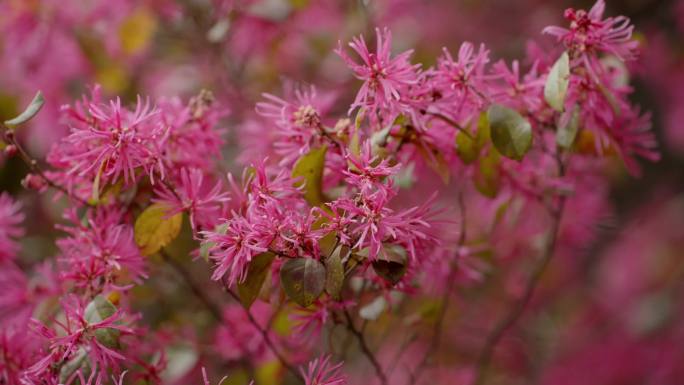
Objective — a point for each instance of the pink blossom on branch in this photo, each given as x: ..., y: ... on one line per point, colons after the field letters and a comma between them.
x: 384, y: 77
x: 10, y: 218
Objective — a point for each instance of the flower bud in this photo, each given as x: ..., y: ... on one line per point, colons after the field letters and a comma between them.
x: 34, y: 182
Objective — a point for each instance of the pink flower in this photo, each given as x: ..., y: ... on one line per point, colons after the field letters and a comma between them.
x: 460, y: 83
x: 108, y: 141
x: 234, y: 249
x: 99, y: 253
x: 522, y: 94
x: 589, y: 33
x: 322, y: 372
x: 384, y: 78
x: 75, y: 334
x: 10, y: 218
x: 298, y: 120
x: 19, y: 349
x: 194, y: 195
x: 369, y: 173
x: 22, y: 293
x: 194, y: 141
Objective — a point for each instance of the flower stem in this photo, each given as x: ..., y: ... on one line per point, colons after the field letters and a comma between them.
x: 509, y: 319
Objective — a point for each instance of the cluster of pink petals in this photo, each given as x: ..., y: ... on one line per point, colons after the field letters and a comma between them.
x: 589, y: 33
x: 193, y: 194
x: 109, y: 143
x: 269, y: 213
x: 322, y: 371
x: 384, y: 77
x: 10, y: 219
x: 99, y: 253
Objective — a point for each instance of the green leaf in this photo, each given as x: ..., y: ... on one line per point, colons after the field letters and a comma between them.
x: 487, y: 177
x: 391, y: 264
x: 30, y: 111
x: 208, y: 245
x: 511, y: 133
x: 556, y: 87
x: 466, y: 148
x: 98, y: 310
x: 258, y: 269
x: 567, y: 133
x: 154, y: 229
x: 72, y: 365
x: 483, y: 135
x: 303, y: 280
x: 334, y: 272
x: 309, y: 168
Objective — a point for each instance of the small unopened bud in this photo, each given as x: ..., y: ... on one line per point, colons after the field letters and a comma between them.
x: 10, y: 150
x: 34, y: 182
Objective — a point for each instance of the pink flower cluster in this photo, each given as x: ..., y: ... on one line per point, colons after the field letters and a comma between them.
x: 429, y: 177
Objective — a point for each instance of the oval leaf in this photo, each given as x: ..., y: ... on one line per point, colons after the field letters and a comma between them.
x: 303, y: 280
x: 487, y: 177
x: 309, y: 169
x: 391, y: 265
x: 30, y: 111
x: 154, y: 229
x: 257, y: 271
x: 466, y: 148
x: 71, y: 366
x: 566, y: 133
x: 511, y: 133
x: 334, y: 277
x: 556, y: 86
x: 98, y: 310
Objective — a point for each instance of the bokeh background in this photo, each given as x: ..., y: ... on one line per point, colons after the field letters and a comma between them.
x: 610, y: 314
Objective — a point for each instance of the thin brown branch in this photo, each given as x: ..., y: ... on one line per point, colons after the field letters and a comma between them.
x: 8, y: 135
x: 452, y: 123
x: 267, y: 339
x: 510, y: 318
x: 196, y: 290
x: 364, y: 348
x: 438, y: 328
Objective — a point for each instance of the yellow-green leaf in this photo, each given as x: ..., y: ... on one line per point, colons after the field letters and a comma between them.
x: 483, y: 134
x: 268, y: 373
x: 309, y: 169
x: 556, y: 87
x: 567, y: 133
x: 487, y: 176
x: 137, y: 30
x: 258, y: 269
x: 466, y: 147
x: 155, y: 229
x: 334, y: 277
